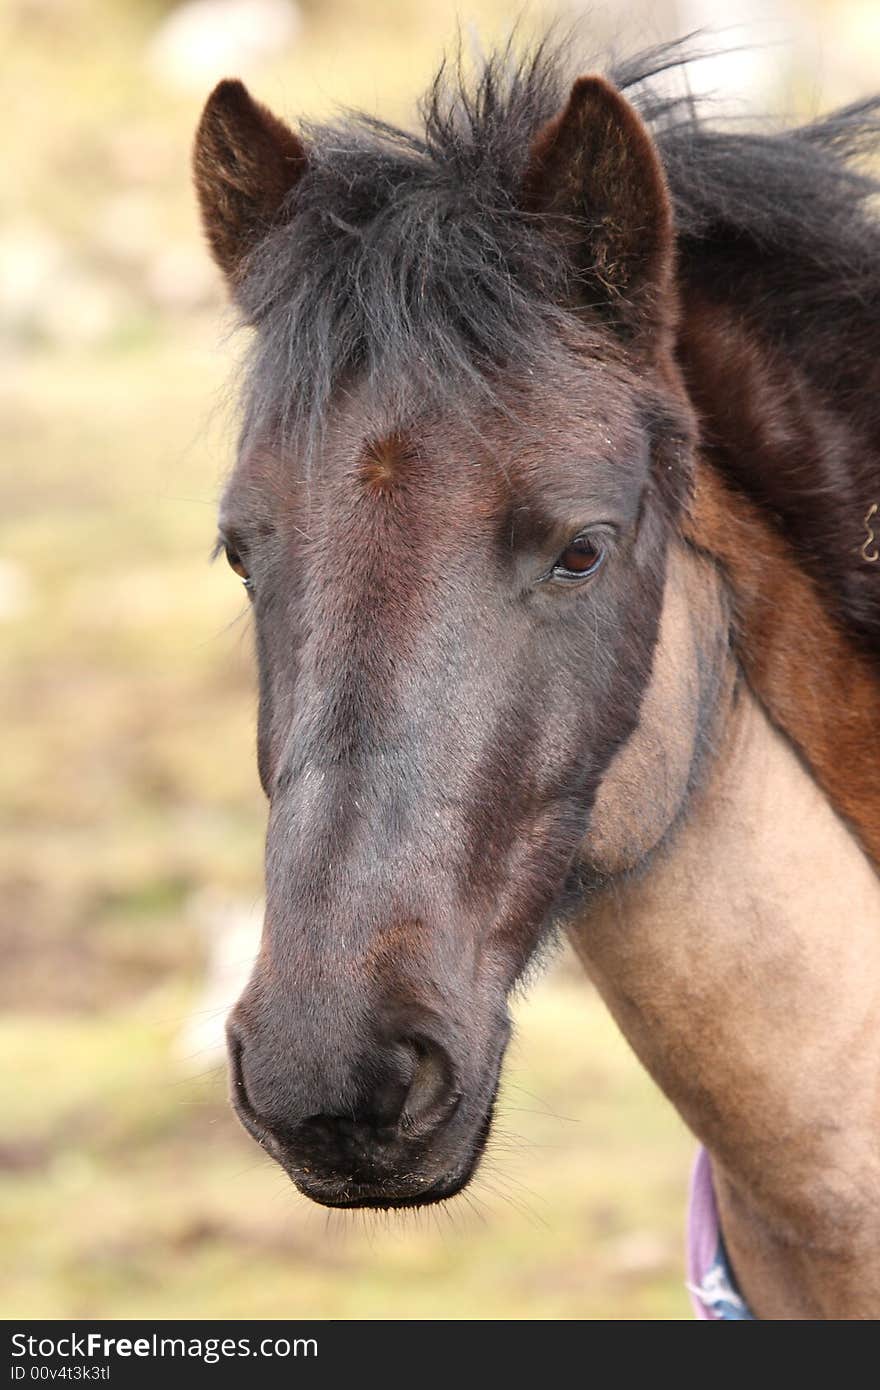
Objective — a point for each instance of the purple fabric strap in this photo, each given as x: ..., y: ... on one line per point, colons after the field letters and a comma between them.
x: 711, y: 1283
x: 702, y: 1233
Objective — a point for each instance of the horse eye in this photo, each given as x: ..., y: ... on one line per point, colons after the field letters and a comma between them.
x: 579, y: 560
x: 237, y: 565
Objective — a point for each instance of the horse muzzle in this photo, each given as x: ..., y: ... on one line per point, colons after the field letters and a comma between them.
x: 411, y: 1132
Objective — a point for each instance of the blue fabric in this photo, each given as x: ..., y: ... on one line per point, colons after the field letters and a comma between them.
x: 719, y: 1291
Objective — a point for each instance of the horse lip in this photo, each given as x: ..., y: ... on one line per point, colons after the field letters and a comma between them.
x: 337, y: 1192
x: 342, y: 1196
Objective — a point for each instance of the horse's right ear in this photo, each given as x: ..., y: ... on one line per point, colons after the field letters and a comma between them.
x: 594, y: 177
x: 245, y: 162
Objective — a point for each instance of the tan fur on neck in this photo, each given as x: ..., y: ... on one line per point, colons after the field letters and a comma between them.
x: 744, y: 969
x: 742, y: 959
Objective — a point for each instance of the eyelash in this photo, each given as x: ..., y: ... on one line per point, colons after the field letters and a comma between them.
x: 235, y: 562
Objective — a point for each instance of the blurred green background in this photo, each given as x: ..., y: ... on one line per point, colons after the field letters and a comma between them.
x: 132, y: 817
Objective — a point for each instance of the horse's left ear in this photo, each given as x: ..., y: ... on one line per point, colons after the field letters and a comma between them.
x: 245, y: 162
x: 594, y: 173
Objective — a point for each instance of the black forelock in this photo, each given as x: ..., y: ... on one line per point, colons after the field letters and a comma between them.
x: 405, y: 259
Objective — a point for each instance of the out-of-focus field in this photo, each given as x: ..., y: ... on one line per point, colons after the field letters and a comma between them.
x: 127, y: 778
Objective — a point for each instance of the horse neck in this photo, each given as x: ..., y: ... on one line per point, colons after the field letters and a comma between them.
x: 743, y: 964
x: 815, y: 680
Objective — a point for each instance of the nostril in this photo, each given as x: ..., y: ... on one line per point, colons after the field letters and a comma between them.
x: 240, y: 1100
x: 240, y: 1097
x: 236, y: 1073
x: 390, y: 1092
x: 432, y: 1095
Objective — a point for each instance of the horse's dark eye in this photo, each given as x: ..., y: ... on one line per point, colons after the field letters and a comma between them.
x: 237, y: 565
x: 580, y: 559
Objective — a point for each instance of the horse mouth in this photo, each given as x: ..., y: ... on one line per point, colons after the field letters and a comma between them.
x: 390, y: 1193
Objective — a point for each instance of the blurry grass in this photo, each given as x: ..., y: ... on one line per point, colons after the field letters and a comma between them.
x: 127, y: 786
x: 130, y: 673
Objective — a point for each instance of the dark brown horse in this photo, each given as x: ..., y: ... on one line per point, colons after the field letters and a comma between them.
x: 554, y: 504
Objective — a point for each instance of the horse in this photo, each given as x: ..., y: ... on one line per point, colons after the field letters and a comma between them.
x: 558, y: 464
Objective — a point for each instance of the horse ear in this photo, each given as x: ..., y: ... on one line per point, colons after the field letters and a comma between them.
x: 245, y: 162
x: 594, y: 173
